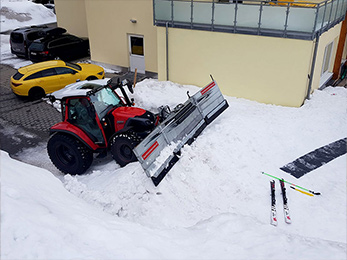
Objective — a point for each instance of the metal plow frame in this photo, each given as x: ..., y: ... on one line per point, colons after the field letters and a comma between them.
x: 160, y: 150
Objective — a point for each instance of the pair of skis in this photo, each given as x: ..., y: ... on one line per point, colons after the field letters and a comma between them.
x: 287, y: 218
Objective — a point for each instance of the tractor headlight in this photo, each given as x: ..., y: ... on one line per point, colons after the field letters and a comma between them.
x: 101, y: 73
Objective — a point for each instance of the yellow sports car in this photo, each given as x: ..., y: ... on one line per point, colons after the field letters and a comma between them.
x: 41, y: 78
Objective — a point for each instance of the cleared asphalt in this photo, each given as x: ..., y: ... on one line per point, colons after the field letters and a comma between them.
x: 23, y: 123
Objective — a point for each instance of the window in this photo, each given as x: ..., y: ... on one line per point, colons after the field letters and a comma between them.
x: 56, y: 43
x: 62, y: 70
x: 327, y: 58
x: 17, y: 37
x: 37, y: 46
x: 43, y: 73
x: 136, y: 45
x: 33, y: 36
x: 34, y: 76
x: 104, y: 100
x: 82, y: 115
x: 48, y: 72
x: 17, y: 76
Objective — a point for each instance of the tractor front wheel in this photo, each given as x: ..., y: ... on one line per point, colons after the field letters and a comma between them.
x: 122, y: 149
x: 68, y: 154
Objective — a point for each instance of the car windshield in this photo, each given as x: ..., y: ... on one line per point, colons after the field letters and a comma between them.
x: 73, y: 65
x: 104, y: 100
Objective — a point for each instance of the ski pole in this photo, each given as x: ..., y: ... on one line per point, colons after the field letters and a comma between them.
x: 304, y: 192
x: 315, y: 193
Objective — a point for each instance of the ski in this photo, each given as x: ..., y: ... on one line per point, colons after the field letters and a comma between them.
x: 273, y: 204
x: 287, y: 218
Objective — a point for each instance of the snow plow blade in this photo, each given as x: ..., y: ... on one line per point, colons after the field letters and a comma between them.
x: 160, y: 150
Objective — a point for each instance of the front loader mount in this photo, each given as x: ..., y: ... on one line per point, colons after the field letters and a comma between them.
x: 160, y: 150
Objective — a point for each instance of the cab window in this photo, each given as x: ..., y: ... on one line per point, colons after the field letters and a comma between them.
x: 81, y: 113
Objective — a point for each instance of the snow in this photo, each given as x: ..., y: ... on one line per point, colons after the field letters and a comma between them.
x: 16, y: 13
x: 213, y: 204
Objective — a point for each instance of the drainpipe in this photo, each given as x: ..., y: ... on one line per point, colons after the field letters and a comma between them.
x: 310, y: 76
x: 167, y: 51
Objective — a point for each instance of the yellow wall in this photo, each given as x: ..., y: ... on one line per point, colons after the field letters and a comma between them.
x: 72, y: 16
x: 324, y: 40
x: 264, y: 69
x: 109, y: 25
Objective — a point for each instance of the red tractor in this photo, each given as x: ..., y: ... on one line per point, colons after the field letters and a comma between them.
x: 96, y: 120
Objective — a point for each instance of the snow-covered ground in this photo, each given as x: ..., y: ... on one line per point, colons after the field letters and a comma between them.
x: 16, y: 13
x: 213, y: 204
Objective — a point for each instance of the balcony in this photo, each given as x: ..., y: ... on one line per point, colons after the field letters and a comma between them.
x: 288, y: 19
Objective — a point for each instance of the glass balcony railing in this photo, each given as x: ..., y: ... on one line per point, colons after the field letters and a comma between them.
x: 300, y: 20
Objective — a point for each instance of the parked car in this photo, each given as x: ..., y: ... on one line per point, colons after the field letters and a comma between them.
x: 65, y: 47
x: 21, y: 38
x: 41, y: 78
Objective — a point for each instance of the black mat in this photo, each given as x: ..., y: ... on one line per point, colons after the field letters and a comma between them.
x: 316, y: 158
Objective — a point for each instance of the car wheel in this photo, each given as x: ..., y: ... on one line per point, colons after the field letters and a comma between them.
x: 68, y: 154
x: 36, y: 93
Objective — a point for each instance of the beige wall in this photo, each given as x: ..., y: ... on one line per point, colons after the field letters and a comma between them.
x: 71, y: 15
x: 264, y: 69
x: 330, y: 36
x: 109, y: 25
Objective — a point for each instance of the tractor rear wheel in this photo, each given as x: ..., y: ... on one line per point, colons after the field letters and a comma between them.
x: 122, y: 148
x: 68, y: 154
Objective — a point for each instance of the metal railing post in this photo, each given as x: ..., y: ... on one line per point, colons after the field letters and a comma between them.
x: 212, y: 19
x: 286, y: 22
x: 331, y: 10
x: 154, y: 20
x: 172, y: 12
x: 325, y: 9
x: 235, y: 19
x: 315, y: 22
x: 191, y: 13
x: 337, y: 9
x: 167, y: 51
x: 260, y: 14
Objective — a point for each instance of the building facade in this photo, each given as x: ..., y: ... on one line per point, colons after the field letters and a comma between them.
x: 271, y: 52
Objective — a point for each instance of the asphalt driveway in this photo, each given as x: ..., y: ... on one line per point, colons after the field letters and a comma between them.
x: 23, y: 123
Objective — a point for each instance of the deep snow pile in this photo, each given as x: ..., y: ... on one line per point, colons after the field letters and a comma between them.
x: 214, y: 203
x: 16, y: 13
